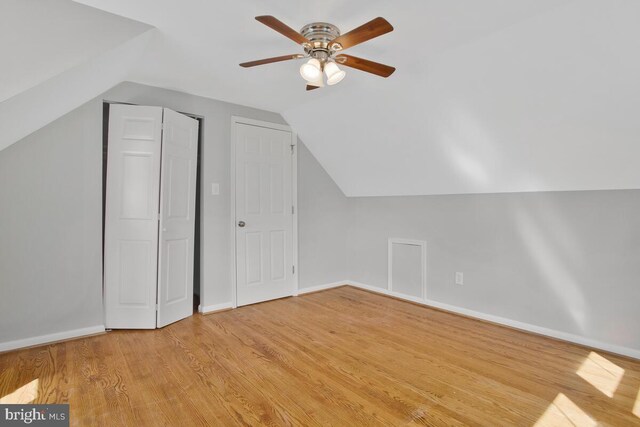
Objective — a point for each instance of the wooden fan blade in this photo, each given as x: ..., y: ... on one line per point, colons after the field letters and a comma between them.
x: 365, y: 65
x: 282, y: 28
x: 311, y: 87
x: 368, y: 31
x: 271, y: 60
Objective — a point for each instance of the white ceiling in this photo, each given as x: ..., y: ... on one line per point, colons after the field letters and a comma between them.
x: 57, y: 55
x: 551, y: 103
x: 41, y: 39
x: 489, y: 96
x: 201, y: 43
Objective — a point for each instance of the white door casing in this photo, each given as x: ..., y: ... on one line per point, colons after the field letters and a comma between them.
x: 177, y: 217
x: 131, y: 216
x: 265, y: 246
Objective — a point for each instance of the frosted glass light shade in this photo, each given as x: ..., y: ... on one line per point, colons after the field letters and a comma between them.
x: 334, y: 74
x: 310, y: 70
x: 319, y: 82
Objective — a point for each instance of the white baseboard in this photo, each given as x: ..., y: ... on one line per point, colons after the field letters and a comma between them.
x: 204, y: 309
x: 227, y: 305
x: 317, y: 288
x: 50, y: 338
x: 564, y: 336
x: 387, y: 292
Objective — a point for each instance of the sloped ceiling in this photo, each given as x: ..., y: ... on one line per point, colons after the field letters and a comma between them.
x: 550, y: 103
x: 41, y: 39
x: 489, y: 96
x: 57, y: 55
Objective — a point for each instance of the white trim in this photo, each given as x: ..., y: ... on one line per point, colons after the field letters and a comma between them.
x: 294, y: 202
x: 45, y: 339
x: 232, y: 215
x: 215, y: 307
x: 527, y: 327
x: 302, y: 291
x: 423, y: 265
x: 260, y: 123
x: 565, y: 336
x: 385, y: 292
x: 235, y: 120
x: 317, y: 288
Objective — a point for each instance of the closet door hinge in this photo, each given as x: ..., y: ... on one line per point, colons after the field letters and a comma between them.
x: 293, y: 269
x: 292, y: 146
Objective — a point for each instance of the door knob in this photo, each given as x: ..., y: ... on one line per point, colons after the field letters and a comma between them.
x: 241, y: 224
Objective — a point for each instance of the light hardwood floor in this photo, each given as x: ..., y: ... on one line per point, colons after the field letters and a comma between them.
x: 342, y: 357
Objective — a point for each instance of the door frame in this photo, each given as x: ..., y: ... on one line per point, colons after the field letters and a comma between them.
x: 235, y: 121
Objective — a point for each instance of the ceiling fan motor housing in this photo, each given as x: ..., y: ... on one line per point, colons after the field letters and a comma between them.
x: 319, y: 34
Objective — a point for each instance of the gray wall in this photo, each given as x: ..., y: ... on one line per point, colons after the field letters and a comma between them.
x: 568, y: 261
x: 50, y: 228
x: 324, y: 215
x: 50, y: 215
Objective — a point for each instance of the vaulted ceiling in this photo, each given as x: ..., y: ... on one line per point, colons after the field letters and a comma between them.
x: 488, y: 96
x: 57, y: 55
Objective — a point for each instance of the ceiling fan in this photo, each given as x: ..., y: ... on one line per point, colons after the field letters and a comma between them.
x: 323, y: 44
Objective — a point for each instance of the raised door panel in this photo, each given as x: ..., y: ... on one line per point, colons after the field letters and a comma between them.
x: 131, y: 216
x: 177, y: 217
x: 264, y: 246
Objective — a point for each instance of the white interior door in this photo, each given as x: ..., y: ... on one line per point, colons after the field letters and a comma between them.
x: 264, y: 214
x: 131, y: 216
x: 177, y: 217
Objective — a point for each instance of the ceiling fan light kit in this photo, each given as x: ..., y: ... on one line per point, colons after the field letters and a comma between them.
x: 317, y: 83
x: 334, y: 73
x: 322, y: 44
x: 311, y: 71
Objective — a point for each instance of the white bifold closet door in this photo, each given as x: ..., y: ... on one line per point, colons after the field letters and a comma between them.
x: 149, y: 217
x: 177, y: 217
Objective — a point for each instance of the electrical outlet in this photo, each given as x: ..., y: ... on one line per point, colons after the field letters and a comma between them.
x: 459, y: 278
x: 215, y: 188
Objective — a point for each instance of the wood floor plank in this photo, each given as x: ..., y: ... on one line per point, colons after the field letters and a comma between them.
x: 468, y: 369
x: 342, y: 357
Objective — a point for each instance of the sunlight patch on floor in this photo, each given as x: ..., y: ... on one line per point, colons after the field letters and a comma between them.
x: 563, y: 412
x: 601, y: 373
x: 25, y: 394
x: 636, y: 406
